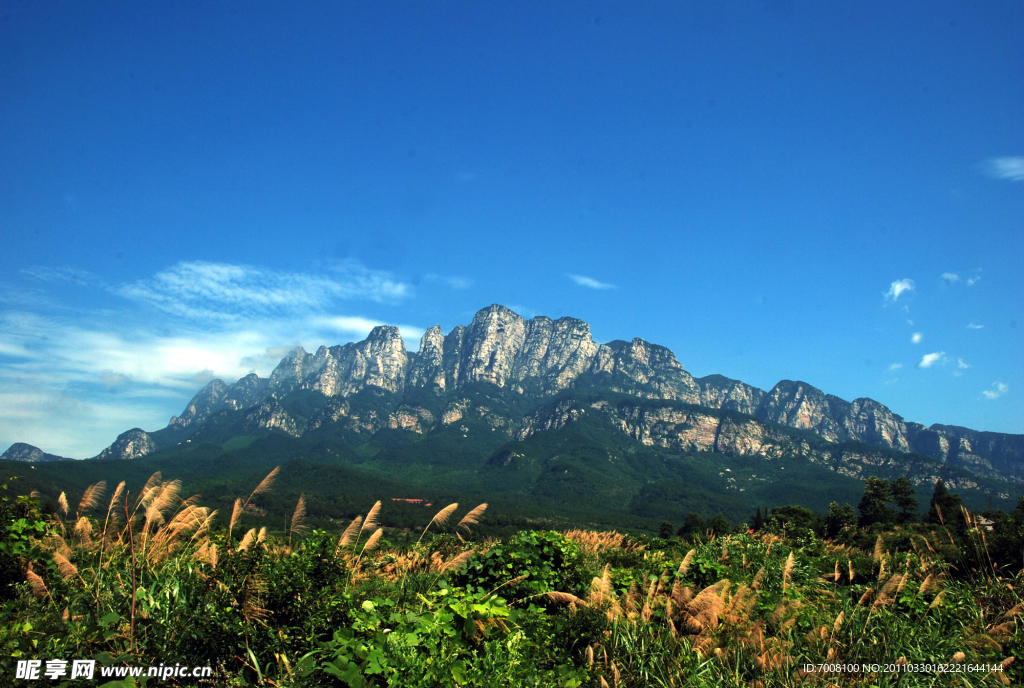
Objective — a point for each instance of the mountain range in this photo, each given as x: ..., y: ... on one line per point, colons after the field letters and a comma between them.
x: 499, y: 404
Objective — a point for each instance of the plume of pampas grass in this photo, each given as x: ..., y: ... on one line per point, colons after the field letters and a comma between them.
x: 787, y: 571
x: 236, y: 511
x: 299, y: 515
x: 456, y: 561
x: 685, y: 565
x: 372, y: 541
x: 590, y: 656
x: 879, y: 548
x: 838, y: 624
x: 349, y: 535
x: 565, y: 598
x: 852, y: 572
x: 62, y: 501
x: 758, y: 577
x: 472, y: 518
x: 370, y: 522
x: 83, y: 529
x: 441, y: 518
x: 247, y: 539
x: 38, y: 587
x: 938, y: 600
x: 262, y: 537
x: 148, y: 491
x: 92, y: 495
x: 267, y: 483
x: 65, y: 567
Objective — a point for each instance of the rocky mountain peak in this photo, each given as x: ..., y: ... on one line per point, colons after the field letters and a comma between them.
x: 19, y: 451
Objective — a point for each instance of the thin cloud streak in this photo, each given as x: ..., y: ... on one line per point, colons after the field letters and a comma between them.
x: 1008, y: 168
x: 590, y: 282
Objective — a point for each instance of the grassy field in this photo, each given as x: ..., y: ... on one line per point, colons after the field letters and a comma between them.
x: 150, y: 578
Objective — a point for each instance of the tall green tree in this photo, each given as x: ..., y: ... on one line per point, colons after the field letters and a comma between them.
x: 945, y: 502
x: 903, y: 497
x: 839, y: 518
x: 874, y: 505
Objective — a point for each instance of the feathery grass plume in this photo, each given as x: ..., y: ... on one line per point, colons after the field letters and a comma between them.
x: 38, y: 587
x: 247, y: 539
x: 62, y: 501
x: 590, y: 656
x: 262, y: 537
x: 958, y: 657
x: 852, y: 572
x: 147, y: 491
x: 758, y: 578
x: 926, y: 584
x: 472, y: 518
x: 457, y: 561
x: 879, y: 548
x: 298, y: 516
x: 866, y: 596
x: 838, y: 623
x: 784, y: 616
x: 903, y: 582
x: 565, y: 598
x: 685, y: 565
x: 441, y: 518
x: 110, y: 509
x: 604, y: 684
x: 787, y: 571
x: 371, y: 543
x: 236, y: 511
x: 92, y: 495
x: 267, y: 483
x: 349, y: 535
x: 56, y: 543
x: 703, y: 611
x: 370, y: 522
x: 615, y: 674
x: 34, y: 494
x: 938, y: 600
x: 83, y: 530
x: 885, y: 595
x: 65, y: 567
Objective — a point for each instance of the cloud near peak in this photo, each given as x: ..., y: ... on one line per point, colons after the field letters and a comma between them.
x: 590, y: 282
x: 897, y: 288
x: 928, y: 360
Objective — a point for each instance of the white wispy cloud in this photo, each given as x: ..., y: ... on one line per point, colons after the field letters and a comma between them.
x: 950, y: 277
x: 1010, y: 168
x: 960, y: 364
x: 928, y: 360
x: 897, y: 288
x: 998, y: 390
x: 972, y: 326
x: 895, y: 366
x: 971, y: 281
x: 590, y: 282
x: 224, y: 291
x: 74, y: 379
x: 916, y: 338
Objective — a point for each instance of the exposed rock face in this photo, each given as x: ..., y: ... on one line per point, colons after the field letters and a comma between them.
x: 271, y: 415
x: 428, y: 368
x: 206, y: 401
x: 133, y: 444
x: 717, y: 391
x: 646, y: 370
x: 290, y: 372
x: 19, y: 451
x: 380, y: 360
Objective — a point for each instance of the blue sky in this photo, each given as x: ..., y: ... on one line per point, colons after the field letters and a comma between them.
x: 829, y: 192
